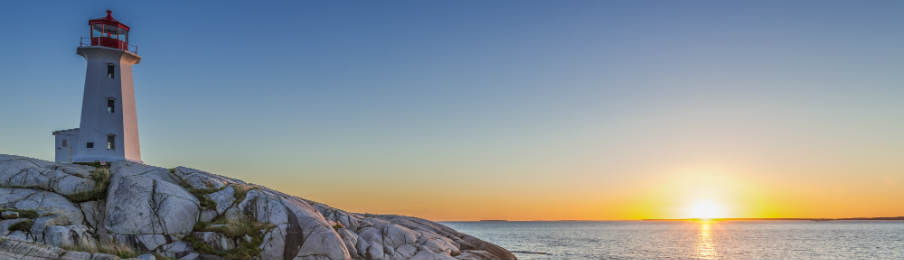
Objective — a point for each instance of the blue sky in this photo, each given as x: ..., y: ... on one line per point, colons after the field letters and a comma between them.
x: 564, y: 99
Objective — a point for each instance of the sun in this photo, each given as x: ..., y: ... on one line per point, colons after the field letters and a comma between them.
x: 705, y: 209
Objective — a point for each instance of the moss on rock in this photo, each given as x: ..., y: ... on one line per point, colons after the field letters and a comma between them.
x: 24, y: 226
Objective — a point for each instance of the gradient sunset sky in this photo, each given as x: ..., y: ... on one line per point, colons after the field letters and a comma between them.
x: 519, y: 110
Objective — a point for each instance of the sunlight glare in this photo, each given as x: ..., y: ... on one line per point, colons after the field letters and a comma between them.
x: 705, y: 209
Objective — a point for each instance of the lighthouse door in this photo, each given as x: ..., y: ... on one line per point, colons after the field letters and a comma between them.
x: 68, y: 148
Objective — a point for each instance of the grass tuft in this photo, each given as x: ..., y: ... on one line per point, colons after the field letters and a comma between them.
x: 113, y: 248
x: 241, y: 190
x: 101, y: 176
x: 23, y: 213
x: 95, y: 164
x: 203, y: 200
x: 200, y: 226
x: 200, y: 246
x: 236, y: 230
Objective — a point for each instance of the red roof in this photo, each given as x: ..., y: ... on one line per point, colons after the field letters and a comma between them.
x: 109, y: 24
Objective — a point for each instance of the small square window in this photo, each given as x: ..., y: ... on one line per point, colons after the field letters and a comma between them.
x: 89, y: 145
x: 111, y: 70
x: 111, y: 142
x: 65, y: 143
x: 111, y: 105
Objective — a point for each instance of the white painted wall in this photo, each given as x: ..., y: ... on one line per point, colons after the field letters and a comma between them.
x: 64, y: 151
x: 96, y: 122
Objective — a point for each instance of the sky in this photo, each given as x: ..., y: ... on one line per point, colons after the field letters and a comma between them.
x: 518, y: 110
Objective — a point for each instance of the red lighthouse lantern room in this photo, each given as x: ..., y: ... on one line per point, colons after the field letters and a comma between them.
x: 109, y: 32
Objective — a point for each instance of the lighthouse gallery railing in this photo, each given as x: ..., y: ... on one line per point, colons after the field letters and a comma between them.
x: 108, y: 42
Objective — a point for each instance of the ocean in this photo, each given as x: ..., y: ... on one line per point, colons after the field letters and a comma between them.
x: 693, y: 240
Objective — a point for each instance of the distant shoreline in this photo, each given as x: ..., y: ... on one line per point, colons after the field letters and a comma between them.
x: 899, y: 218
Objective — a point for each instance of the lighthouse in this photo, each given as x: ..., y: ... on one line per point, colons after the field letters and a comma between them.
x: 108, y: 130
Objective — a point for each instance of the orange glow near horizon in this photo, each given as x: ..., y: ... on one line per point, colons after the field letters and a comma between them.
x: 669, y: 191
x: 684, y: 193
x: 690, y: 193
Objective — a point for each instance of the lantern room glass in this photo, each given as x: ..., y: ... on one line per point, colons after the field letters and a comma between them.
x: 109, y: 36
x: 109, y: 31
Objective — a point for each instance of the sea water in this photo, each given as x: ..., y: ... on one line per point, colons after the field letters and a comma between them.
x: 693, y: 239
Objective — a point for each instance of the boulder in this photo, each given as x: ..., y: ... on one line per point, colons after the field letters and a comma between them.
x: 94, y: 212
x: 190, y: 256
x: 437, y: 244
x: 274, y: 243
x: 370, y: 243
x: 5, y: 224
x: 71, y: 236
x: 11, y: 248
x: 20, y: 235
x: 176, y: 249
x: 202, y: 180
x: 318, y: 239
x: 345, y: 219
x: 146, y: 257
x: 43, y: 202
x: 395, y: 236
x: 151, y: 242
x: 146, y: 200
x: 207, y: 215
x: 260, y: 206
x: 76, y: 255
x: 351, y: 241
x: 22, y: 172
x: 223, y: 198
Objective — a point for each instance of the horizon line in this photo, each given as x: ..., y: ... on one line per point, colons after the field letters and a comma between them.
x: 685, y: 219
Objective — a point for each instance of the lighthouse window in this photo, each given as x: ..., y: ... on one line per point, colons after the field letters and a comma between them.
x: 111, y: 142
x: 111, y: 105
x: 110, y: 70
x: 89, y: 145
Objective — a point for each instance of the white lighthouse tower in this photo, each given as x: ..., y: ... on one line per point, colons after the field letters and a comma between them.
x: 109, y: 125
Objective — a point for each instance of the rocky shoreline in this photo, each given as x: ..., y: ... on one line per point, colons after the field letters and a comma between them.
x: 131, y: 210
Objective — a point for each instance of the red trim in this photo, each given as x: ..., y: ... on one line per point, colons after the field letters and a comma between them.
x: 108, y: 20
x: 109, y: 42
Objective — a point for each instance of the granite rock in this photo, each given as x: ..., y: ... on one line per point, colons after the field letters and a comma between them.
x: 152, y: 209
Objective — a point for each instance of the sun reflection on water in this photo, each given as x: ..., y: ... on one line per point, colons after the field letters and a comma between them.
x: 706, y: 249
